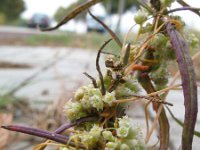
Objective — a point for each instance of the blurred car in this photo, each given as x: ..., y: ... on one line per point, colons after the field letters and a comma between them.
x: 40, y: 20
x: 93, y: 25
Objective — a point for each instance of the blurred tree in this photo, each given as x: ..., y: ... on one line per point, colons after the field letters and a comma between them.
x: 62, y: 12
x: 113, y: 5
x: 11, y: 9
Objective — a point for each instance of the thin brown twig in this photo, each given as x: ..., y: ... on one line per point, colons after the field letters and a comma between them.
x: 94, y: 82
x: 113, y: 35
x: 148, y: 97
x: 103, y: 90
x: 147, y: 117
x: 181, y: 2
x: 74, y: 13
x: 183, y: 8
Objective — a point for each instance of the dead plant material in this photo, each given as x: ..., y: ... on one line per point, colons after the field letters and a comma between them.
x: 11, y: 65
x: 4, y: 138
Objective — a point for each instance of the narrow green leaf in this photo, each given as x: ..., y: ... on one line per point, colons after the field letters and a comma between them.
x: 197, y: 133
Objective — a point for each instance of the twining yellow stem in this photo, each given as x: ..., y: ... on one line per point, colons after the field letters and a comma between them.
x: 135, y: 98
x: 141, y: 49
x: 147, y: 117
x: 158, y: 112
x: 164, y: 90
x: 161, y: 106
x: 46, y: 143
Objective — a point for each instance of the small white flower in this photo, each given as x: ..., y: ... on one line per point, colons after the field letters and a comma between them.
x: 123, y: 132
x: 74, y: 110
x: 79, y: 93
x: 112, y: 146
x: 108, y: 136
x: 109, y: 97
x: 124, y: 147
x: 96, y: 132
x: 96, y: 102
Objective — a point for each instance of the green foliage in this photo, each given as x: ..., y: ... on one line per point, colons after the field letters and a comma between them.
x: 2, y: 18
x: 11, y: 9
x: 61, y: 11
x: 115, y: 3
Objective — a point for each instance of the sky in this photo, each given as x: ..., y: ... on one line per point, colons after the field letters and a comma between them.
x: 49, y: 7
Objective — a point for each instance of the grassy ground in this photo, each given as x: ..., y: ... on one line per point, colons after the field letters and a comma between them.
x: 92, y: 41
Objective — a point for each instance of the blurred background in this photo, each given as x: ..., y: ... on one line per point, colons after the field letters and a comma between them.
x: 39, y: 71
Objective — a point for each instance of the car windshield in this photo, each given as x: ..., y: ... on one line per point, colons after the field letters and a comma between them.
x: 39, y: 16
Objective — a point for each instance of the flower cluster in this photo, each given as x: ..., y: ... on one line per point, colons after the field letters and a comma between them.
x: 87, y: 99
x: 124, y: 136
x: 127, y: 137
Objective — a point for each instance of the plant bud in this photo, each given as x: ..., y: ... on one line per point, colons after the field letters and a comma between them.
x: 109, y: 97
x: 166, y: 3
x: 124, y: 147
x: 111, y: 146
x: 108, y: 136
x: 140, y: 17
x: 74, y: 110
x: 123, y: 132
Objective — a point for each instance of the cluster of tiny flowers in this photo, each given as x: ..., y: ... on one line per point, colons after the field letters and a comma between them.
x: 87, y: 98
x: 88, y: 139
x: 192, y: 40
x: 127, y: 137
x: 127, y: 89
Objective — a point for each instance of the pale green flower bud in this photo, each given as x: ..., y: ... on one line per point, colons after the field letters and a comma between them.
x: 137, y: 135
x: 147, y: 28
x: 74, y: 110
x: 79, y: 93
x: 122, y: 91
x: 192, y: 40
x: 123, y: 132
x: 108, y: 136
x: 159, y: 40
x: 166, y: 3
x: 96, y: 132
x: 124, y: 147
x: 94, y: 91
x: 92, y: 98
x: 86, y: 102
x: 87, y: 139
x: 124, y: 122
x: 109, y: 97
x: 96, y: 102
x: 112, y: 146
x: 140, y: 17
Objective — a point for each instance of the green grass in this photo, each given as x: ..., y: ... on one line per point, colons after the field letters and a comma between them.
x: 91, y: 41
